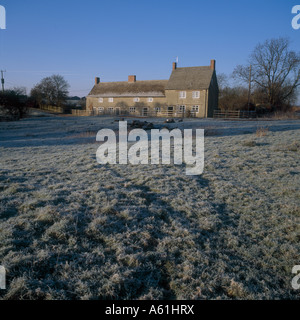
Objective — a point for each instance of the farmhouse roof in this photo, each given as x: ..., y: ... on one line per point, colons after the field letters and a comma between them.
x: 127, y: 89
x: 190, y: 78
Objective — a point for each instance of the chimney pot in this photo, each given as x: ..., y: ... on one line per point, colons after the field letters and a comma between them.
x: 213, y: 64
x: 131, y: 79
x: 174, y: 65
x: 97, y: 80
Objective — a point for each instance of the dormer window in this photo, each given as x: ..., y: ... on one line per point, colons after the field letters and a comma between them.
x: 136, y: 99
x: 110, y: 99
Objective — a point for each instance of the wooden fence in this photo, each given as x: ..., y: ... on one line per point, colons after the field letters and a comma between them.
x: 137, y: 113
x: 52, y: 109
x: 235, y: 114
x: 82, y: 113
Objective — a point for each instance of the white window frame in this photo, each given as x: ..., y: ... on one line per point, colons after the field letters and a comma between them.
x: 196, y: 94
x: 150, y: 99
x: 132, y: 109
x: 100, y: 100
x: 182, y: 94
x: 110, y: 109
x: 182, y: 108
x: 136, y: 99
x: 195, y: 109
x: 110, y: 100
x: 100, y: 109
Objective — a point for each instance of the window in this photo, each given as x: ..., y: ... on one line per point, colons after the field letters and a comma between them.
x: 196, y: 94
x: 182, y: 94
x: 157, y: 109
x: 195, y: 109
x: 181, y: 108
x: 132, y: 109
x: 136, y: 99
x: 110, y: 99
x: 110, y: 110
x: 100, y: 109
x: 145, y: 112
x: 100, y: 100
x: 150, y: 99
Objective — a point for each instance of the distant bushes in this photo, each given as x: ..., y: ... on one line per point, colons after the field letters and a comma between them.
x: 232, y: 98
x: 236, y: 98
x: 14, y: 104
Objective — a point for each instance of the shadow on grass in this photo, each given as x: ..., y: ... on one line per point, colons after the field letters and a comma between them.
x: 43, y: 134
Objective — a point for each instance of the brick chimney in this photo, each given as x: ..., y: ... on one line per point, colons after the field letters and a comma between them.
x: 213, y: 64
x: 131, y: 79
x: 97, y: 80
x: 174, y: 65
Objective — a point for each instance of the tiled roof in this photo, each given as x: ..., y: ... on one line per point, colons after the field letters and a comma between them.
x: 190, y: 78
x: 151, y: 88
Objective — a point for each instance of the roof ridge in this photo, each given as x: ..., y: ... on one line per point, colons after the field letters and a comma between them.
x: 132, y: 82
x: 208, y: 67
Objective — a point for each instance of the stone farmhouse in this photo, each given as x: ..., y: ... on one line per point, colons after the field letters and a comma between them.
x: 190, y: 91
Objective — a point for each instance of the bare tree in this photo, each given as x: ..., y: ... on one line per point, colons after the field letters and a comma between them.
x: 275, y: 70
x: 122, y: 105
x: 223, y: 81
x: 38, y: 95
x: 51, y: 90
x: 139, y: 106
x: 61, y: 89
x: 235, y: 98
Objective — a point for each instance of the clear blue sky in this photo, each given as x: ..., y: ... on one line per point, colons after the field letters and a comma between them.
x: 113, y: 39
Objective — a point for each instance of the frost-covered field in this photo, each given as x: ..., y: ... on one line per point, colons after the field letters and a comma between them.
x: 72, y: 229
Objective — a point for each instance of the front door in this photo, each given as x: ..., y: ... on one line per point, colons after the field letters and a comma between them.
x: 170, y: 111
x: 145, y: 112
